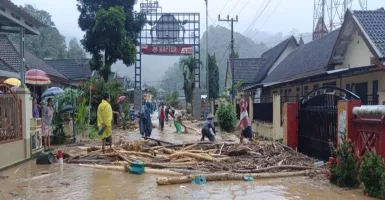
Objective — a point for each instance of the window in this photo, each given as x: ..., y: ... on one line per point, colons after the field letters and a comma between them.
x: 315, y: 86
x: 333, y: 83
x: 298, y: 89
x: 289, y: 90
x: 375, y: 93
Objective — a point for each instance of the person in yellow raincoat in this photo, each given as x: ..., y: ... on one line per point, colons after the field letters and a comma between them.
x: 105, y: 121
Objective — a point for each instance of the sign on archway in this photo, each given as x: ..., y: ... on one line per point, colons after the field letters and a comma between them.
x: 169, y: 34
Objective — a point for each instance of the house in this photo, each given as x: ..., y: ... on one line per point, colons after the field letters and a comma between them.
x: 74, y: 69
x: 15, y: 139
x: 350, y: 58
x: 252, y: 71
x: 10, y: 64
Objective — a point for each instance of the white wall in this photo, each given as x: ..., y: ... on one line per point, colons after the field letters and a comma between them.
x: 357, y: 53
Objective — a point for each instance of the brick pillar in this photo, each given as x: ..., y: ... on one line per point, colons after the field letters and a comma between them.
x: 290, y: 125
x: 345, y: 117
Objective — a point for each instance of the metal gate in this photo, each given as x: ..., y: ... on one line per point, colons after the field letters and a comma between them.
x: 318, y: 123
x: 10, y: 115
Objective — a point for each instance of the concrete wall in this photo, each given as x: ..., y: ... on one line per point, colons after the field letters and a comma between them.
x: 17, y: 151
x: 271, y: 130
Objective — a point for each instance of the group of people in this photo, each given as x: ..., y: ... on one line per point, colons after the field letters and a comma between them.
x: 164, y: 113
x: 104, y: 120
x: 47, y: 113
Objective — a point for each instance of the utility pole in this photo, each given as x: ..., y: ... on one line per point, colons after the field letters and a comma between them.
x: 232, y: 54
x: 207, y: 55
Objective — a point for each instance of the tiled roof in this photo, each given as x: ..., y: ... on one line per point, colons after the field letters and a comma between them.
x: 271, y: 56
x: 34, y: 62
x: 73, y: 69
x: 247, y: 68
x: 4, y: 66
x: 306, y: 60
x: 373, y: 23
x: 9, y: 53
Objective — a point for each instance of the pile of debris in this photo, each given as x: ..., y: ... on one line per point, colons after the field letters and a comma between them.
x: 203, y: 158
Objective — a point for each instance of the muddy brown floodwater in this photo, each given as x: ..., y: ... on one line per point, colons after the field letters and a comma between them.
x: 40, y: 182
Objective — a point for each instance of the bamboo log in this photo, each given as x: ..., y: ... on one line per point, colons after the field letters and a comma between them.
x: 227, y: 177
x: 167, y: 150
x: 189, y: 172
x: 106, y: 167
x: 274, y: 167
x: 136, y: 153
x: 191, y: 146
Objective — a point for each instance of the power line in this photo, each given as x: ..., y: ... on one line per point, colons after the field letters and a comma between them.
x: 244, y: 6
x: 224, y: 6
x: 267, y: 19
x: 234, y: 7
x: 257, y: 17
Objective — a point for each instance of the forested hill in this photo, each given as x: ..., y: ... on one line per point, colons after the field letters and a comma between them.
x: 219, y: 43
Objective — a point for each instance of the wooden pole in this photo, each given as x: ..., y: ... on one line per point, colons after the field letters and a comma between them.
x: 227, y: 177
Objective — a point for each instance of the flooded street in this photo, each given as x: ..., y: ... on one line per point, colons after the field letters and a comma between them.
x: 31, y: 181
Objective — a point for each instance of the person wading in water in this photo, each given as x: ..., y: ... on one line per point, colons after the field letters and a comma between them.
x: 161, y: 117
x: 208, y: 129
x: 145, y: 121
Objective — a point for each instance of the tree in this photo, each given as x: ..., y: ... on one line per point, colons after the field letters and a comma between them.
x: 188, y: 65
x: 112, y: 28
x: 74, y: 50
x: 50, y: 43
x: 153, y: 91
x: 213, y: 78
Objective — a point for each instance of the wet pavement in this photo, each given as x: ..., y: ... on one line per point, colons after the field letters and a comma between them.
x: 31, y: 181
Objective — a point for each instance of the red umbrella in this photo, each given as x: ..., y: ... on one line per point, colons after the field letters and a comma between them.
x: 37, y: 77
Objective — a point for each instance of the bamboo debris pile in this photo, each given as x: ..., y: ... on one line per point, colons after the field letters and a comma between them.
x: 161, y: 157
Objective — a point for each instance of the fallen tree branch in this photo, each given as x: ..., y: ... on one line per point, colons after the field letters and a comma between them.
x: 274, y: 167
x: 197, y: 156
x: 228, y: 177
x: 161, y: 141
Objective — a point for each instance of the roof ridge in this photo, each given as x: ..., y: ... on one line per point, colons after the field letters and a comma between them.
x: 33, y: 54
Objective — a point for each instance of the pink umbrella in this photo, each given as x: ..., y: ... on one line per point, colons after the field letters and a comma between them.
x: 121, y: 99
x: 37, y: 77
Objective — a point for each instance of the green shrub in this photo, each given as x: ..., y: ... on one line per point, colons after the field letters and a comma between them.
x: 372, y: 169
x: 382, y: 183
x: 227, y: 118
x: 344, y: 165
x: 81, y: 115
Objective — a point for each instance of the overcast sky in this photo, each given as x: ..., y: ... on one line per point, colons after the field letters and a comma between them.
x: 287, y: 15
x: 279, y: 16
